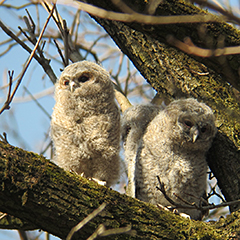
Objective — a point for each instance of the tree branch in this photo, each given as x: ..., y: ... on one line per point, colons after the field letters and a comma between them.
x: 38, y: 192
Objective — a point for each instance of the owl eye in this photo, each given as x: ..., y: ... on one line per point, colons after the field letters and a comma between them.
x: 203, y: 129
x: 83, y: 78
x: 66, y: 82
x: 188, y: 123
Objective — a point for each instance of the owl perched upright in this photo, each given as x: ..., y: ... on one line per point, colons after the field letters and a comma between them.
x: 172, y: 145
x: 85, y: 125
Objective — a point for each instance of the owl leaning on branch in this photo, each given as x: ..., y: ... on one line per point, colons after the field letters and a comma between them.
x: 173, y: 146
x: 85, y: 125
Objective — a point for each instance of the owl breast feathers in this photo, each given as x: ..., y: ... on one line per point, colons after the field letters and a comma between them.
x: 85, y: 125
x: 172, y: 145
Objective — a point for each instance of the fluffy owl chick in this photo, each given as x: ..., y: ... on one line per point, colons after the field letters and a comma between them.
x: 85, y: 125
x: 173, y: 147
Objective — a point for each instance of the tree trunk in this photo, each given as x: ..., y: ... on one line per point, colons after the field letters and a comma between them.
x: 175, y: 74
x: 41, y: 195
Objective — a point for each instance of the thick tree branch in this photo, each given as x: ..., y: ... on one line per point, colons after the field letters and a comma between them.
x: 38, y: 192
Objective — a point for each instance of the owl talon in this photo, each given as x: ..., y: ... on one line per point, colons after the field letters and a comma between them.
x: 162, y: 207
x: 173, y: 210
x: 103, y: 183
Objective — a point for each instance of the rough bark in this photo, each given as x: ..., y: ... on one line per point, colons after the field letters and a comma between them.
x: 175, y: 74
x: 41, y: 195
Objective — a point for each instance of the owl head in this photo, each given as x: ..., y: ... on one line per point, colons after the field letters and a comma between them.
x: 84, y: 79
x: 193, y: 123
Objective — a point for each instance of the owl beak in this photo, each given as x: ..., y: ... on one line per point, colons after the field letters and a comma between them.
x: 72, y: 86
x: 195, y: 135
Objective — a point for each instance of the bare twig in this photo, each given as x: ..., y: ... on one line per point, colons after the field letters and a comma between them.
x: 146, y: 19
x: 49, y: 145
x: 77, y: 22
x: 22, y: 235
x: 163, y: 191
x: 9, y: 99
x: 213, y: 192
x: 102, y: 232
x: 38, y: 104
x: 188, y: 47
x: 86, y: 220
x: 18, y: 7
x: 28, y: 98
x: 43, y: 62
x: 10, y: 74
x: 72, y: 52
x: 65, y: 40
x: 219, y: 9
x: 3, y: 215
x: 192, y: 205
x: 4, y: 139
x: 127, y: 79
x: 89, y: 50
x: 60, y: 52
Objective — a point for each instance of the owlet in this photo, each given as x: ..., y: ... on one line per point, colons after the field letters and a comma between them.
x: 170, y: 143
x: 85, y: 125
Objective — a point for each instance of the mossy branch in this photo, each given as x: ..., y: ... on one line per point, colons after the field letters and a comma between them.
x: 40, y: 193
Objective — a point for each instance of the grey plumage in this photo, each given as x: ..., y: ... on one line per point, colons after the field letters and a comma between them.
x: 134, y: 123
x: 85, y: 125
x: 172, y: 144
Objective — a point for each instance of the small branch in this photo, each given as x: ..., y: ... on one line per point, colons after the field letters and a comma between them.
x: 163, y: 191
x: 4, y: 139
x: 73, y: 54
x: 65, y: 41
x: 38, y: 104
x: 89, y: 49
x: 10, y: 74
x: 86, y: 220
x: 188, y: 47
x: 77, y: 21
x: 28, y: 98
x: 116, y: 231
x: 3, y: 215
x: 146, y: 19
x: 9, y: 99
x: 191, y: 205
x: 42, y: 61
x: 18, y: 7
x: 7, y: 102
x: 219, y: 9
x: 59, y: 52
x: 22, y: 235
x: 102, y: 232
